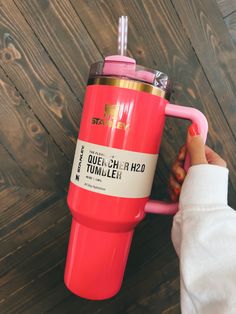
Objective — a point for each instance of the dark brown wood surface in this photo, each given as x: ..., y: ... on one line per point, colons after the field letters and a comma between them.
x: 46, y: 49
x: 227, y: 7
x: 231, y: 24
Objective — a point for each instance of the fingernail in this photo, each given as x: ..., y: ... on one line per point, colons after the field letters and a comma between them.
x: 178, y: 176
x: 193, y: 129
x: 180, y: 153
x: 177, y: 191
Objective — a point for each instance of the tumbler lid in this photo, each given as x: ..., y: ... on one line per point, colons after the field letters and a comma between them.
x: 96, y: 261
x: 125, y: 67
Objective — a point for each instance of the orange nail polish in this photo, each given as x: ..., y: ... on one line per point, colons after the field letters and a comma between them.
x: 193, y: 129
x: 178, y: 176
x: 177, y: 191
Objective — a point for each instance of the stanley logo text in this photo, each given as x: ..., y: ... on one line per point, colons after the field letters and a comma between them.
x: 111, y: 118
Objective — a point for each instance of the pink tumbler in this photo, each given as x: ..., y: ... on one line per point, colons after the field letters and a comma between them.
x: 115, y: 160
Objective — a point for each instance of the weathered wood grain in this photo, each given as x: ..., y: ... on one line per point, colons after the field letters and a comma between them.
x: 230, y: 21
x: 203, y: 23
x: 226, y: 6
x: 31, y: 70
x: 46, y: 48
x: 30, y: 232
x: 165, y: 46
x: 33, y: 149
x: 65, y: 38
x: 23, y: 211
x: 10, y: 172
x: 9, y: 196
x: 29, y: 285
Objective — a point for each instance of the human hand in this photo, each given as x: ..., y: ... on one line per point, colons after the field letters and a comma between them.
x: 199, y: 154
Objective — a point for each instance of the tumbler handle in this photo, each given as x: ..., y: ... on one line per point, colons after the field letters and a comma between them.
x: 195, y: 116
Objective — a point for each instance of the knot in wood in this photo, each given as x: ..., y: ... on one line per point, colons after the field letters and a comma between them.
x: 140, y: 51
x: 9, y: 54
x: 58, y: 99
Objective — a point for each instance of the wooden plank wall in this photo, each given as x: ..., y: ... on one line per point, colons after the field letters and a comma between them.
x: 46, y: 49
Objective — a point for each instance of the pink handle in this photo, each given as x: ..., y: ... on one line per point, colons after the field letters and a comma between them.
x: 159, y: 207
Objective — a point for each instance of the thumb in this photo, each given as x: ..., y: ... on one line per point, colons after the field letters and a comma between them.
x: 195, y: 146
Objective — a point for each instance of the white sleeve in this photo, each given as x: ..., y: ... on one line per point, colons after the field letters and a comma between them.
x: 204, y: 237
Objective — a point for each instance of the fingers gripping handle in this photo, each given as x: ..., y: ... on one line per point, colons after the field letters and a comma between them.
x: 195, y: 116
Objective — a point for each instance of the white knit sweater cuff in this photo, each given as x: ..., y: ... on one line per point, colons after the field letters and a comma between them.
x: 204, y: 185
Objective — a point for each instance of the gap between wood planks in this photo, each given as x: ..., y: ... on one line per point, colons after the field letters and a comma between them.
x: 36, y: 116
x: 58, y: 69
x: 205, y: 74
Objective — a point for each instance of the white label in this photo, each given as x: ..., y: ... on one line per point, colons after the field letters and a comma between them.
x: 113, y: 171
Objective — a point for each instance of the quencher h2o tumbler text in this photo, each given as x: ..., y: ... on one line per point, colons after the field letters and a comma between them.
x: 115, y: 159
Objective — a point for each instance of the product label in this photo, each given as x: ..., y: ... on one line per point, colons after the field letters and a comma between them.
x: 113, y: 171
